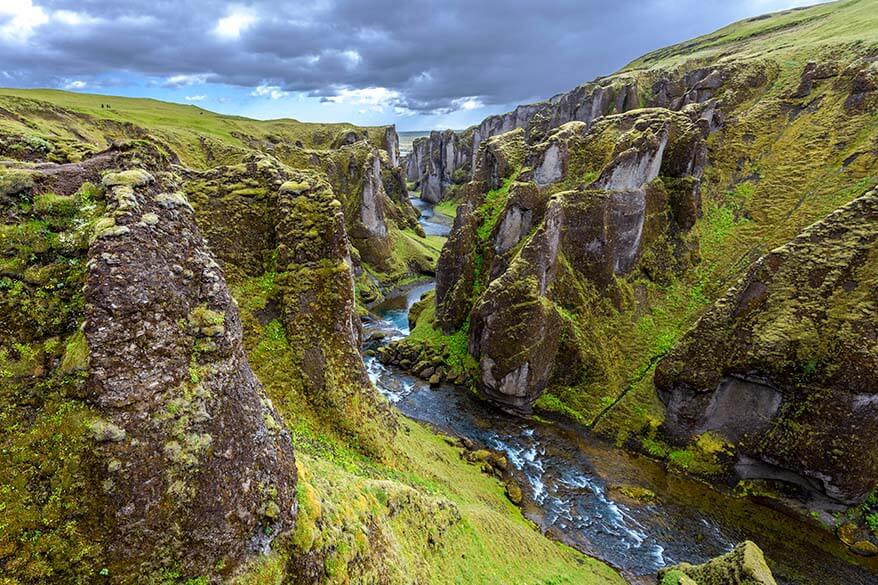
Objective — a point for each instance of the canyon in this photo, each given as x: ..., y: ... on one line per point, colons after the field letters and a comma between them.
x: 625, y: 335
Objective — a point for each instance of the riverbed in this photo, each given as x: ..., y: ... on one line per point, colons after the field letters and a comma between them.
x: 571, y: 481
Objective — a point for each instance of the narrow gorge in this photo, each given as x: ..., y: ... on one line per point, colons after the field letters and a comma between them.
x: 628, y: 334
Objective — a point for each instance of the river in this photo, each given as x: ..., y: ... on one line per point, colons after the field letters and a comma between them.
x: 570, y: 480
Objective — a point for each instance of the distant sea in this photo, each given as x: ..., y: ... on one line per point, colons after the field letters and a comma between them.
x: 406, y: 139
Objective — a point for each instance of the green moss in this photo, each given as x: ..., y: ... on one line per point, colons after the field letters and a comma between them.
x: 552, y: 403
x: 131, y: 178
x: 49, y: 521
x: 294, y: 187
x: 744, y: 565
x: 447, y: 208
x: 454, y: 347
x: 45, y: 495
x: 202, y: 317
x: 708, y: 456
x: 676, y: 577
x: 55, y: 205
x: 14, y: 181
x: 492, y: 207
x: 75, y: 354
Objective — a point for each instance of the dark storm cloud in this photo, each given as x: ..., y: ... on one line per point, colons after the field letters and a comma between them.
x: 430, y: 56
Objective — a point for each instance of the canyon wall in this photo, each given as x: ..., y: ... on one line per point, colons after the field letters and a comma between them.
x: 594, y: 230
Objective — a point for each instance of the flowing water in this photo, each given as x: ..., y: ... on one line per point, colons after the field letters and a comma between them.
x: 570, y: 480
x: 434, y: 224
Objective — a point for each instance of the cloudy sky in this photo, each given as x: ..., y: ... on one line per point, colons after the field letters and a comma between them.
x: 419, y: 63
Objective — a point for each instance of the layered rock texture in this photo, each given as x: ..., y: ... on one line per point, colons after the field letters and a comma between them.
x: 728, y: 179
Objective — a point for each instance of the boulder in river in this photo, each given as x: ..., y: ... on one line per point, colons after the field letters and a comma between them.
x: 744, y: 565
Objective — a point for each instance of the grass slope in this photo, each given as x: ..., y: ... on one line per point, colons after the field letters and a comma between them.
x: 195, y: 134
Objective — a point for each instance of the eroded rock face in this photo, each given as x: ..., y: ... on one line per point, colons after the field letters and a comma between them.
x: 864, y: 85
x: 372, y: 204
x: 516, y: 331
x: 784, y: 364
x: 319, y: 309
x: 198, y: 466
x: 550, y: 168
x: 391, y: 145
x: 456, y: 271
x: 644, y: 197
x: 297, y: 231
x: 433, y: 163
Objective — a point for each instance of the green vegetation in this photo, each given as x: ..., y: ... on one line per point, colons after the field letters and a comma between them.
x: 454, y: 346
x: 64, y: 126
x: 492, y: 207
x: 48, y: 524
x: 792, y: 33
x: 433, y: 518
x: 770, y: 176
x: 447, y: 207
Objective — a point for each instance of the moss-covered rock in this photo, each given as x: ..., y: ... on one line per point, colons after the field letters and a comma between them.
x: 523, y: 262
x: 782, y: 364
x: 181, y: 410
x: 744, y: 565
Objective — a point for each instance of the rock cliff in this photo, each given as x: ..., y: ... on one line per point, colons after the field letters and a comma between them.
x: 525, y: 248
x: 447, y: 158
x: 187, y: 462
x: 783, y: 364
x: 585, y: 250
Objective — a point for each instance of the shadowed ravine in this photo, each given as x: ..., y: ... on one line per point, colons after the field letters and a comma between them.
x: 570, y: 480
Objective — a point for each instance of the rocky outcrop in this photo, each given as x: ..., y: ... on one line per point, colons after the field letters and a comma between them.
x: 423, y: 361
x: 371, y: 202
x: 296, y: 231
x: 531, y: 246
x: 515, y: 331
x: 434, y: 161
x: 456, y: 271
x: 369, y: 232
x: 319, y: 313
x: 744, y: 565
x: 783, y: 365
x: 391, y: 145
x: 863, y: 93
x: 197, y: 466
x: 237, y: 205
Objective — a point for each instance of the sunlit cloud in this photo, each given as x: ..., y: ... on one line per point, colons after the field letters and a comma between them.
x: 19, y: 18
x: 269, y: 91
x: 183, y: 80
x: 236, y: 21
